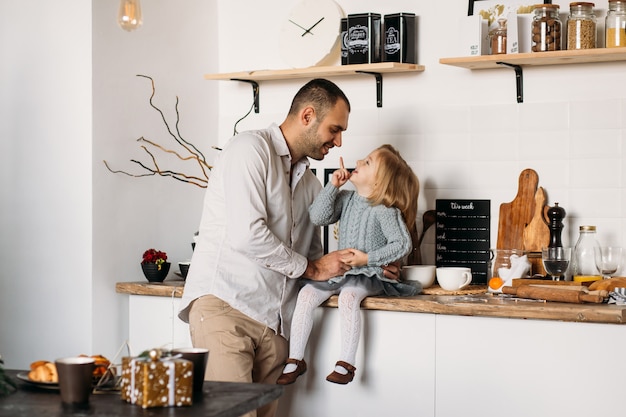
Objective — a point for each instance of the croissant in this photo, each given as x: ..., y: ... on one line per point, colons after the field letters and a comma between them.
x: 43, y: 371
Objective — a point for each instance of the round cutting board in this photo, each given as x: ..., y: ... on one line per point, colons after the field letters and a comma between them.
x: 472, y: 289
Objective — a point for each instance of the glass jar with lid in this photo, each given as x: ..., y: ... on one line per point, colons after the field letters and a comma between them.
x: 497, y: 38
x: 583, y: 257
x: 581, y: 26
x: 615, y: 24
x: 546, y: 28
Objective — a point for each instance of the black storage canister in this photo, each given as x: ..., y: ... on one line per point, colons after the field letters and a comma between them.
x: 364, y: 40
x: 399, y: 38
x: 344, y: 41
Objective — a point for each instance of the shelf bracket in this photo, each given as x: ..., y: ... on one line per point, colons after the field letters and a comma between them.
x: 255, y: 91
x: 518, y: 80
x: 379, y: 86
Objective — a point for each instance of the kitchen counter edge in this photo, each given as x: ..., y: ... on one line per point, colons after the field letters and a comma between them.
x: 483, y: 305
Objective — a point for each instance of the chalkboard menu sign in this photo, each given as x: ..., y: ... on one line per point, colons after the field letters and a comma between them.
x: 462, y: 237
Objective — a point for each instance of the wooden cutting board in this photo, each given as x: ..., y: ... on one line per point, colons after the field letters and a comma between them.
x: 537, y: 233
x: 516, y: 215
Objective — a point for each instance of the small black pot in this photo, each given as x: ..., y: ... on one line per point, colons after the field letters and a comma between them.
x: 153, y: 274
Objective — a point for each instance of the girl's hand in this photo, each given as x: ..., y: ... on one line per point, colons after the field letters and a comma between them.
x: 340, y: 176
x: 354, y: 257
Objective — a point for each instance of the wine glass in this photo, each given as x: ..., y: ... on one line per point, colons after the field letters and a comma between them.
x: 608, y: 260
x: 556, y: 261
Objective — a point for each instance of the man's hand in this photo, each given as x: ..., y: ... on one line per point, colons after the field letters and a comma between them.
x: 326, y: 267
x: 392, y: 271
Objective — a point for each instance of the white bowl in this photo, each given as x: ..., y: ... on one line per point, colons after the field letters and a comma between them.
x: 425, y: 274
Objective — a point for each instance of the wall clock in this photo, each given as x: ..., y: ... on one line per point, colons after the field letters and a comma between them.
x: 310, y: 33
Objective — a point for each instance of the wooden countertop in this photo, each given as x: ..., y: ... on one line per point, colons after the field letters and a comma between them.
x: 484, y: 305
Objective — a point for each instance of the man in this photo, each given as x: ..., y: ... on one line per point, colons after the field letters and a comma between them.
x: 255, y: 240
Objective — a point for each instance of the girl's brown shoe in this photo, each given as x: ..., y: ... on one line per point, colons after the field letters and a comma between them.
x: 290, y: 378
x: 339, y: 378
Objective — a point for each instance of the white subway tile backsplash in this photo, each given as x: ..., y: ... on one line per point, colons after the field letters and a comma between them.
x: 596, y: 202
x: 496, y: 146
x: 596, y: 143
x: 544, y: 145
x: 543, y: 116
x: 363, y: 122
x: 596, y: 114
x: 444, y: 118
x: 494, y: 118
x: 448, y: 147
x: 595, y: 173
x: 449, y: 174
x: 490, y: 175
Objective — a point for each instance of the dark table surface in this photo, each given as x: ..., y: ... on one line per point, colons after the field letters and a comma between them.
x: 220, y: 399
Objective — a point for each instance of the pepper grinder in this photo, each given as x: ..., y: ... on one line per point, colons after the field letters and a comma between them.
x: 555, y: 215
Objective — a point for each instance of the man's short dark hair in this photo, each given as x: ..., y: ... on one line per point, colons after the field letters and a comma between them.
x: 319, y: 93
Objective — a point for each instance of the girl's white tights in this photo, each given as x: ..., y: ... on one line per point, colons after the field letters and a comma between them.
x: 309, y: 299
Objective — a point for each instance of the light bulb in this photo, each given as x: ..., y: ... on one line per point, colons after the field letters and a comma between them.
x: 129, y: 16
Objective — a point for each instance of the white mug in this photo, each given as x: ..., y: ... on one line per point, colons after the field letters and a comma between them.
x: 452, y: 278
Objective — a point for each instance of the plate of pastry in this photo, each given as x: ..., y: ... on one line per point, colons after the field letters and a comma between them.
x: 43, y: 374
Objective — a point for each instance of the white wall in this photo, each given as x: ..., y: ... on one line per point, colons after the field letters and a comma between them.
x: 70, y: 99
x: 45, y: 180
x: 176, y: 45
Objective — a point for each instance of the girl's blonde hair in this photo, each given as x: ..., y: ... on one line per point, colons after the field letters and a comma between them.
x: 396, y: 185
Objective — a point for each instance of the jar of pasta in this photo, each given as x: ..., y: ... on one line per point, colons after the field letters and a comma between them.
x: 615, y: 24
x: 546, y: 28
x: 581, y: 26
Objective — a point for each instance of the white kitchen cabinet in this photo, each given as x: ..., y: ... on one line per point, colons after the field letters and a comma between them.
x: 395, y: 369
x: 519, y: 368
x: 462, y: 366
x: 153, y: 322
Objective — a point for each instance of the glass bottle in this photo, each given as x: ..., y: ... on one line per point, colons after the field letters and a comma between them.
x: 497, y: 38
x: 583, y: 258
x: 615, y: 24
x: 581, y: 26
x: 546, y: 28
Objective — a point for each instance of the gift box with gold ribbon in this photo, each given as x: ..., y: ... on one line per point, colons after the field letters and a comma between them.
x: 157, y: 381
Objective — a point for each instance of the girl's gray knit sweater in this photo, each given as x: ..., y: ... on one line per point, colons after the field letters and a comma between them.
x: 377, y: 230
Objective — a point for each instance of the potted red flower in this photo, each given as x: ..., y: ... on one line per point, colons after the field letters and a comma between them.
x: 154, y: 265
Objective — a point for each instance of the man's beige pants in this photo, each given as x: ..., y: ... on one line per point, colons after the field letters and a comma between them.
x: 240, y: 349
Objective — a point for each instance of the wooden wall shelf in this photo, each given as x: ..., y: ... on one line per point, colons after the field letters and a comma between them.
x: 517, y: 61
x: 312, y: 72
x: 253, y: 77
x: 539, y: 58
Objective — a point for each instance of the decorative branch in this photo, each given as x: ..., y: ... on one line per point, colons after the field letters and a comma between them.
x: 193, y: 153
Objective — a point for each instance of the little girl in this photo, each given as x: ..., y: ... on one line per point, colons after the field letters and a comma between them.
x: 375, y: 221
